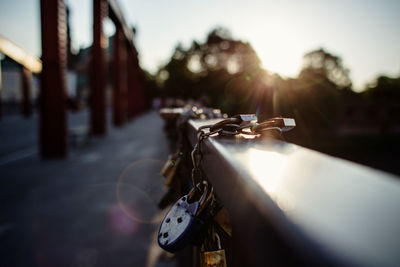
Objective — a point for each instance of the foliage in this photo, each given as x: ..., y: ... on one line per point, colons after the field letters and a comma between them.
x: 323, y: 65
x: 226, y: 73
x: 384, y: 88
x: 313, y: 98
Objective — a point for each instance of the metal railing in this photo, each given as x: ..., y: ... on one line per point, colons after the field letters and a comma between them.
x: 293, y: 206
x: 29, y: 64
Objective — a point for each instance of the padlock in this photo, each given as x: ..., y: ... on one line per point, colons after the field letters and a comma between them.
x: 215, y: 258
x: 166, y: 167
x: 170, y: 163
x: 171, y: 174
x: 237, y: 119
x: 246, y: 118
x: 284, y: 124
x: 181, y: 226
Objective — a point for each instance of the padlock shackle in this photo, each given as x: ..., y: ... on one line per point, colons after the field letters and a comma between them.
x: 216, y: 236
x: 192, y: 192
x: 204, y: 195
x: 205, y: 203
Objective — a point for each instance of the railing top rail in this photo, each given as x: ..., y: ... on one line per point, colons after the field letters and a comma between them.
x: 327, y: 208
x: 20, y: 56
x: 118, y: 18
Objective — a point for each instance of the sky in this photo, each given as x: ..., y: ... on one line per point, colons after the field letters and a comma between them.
x: 364, y: 33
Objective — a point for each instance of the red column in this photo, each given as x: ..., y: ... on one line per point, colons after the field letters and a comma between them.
x: 26, y: 92
x: 53, y: 116
x: 1, y: 102
x: 119, y: 57
x: 98, y: 71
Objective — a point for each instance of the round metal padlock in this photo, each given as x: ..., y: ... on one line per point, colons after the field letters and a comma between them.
x: 181, y: 226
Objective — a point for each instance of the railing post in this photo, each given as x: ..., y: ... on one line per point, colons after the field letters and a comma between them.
x: 53, y: 116
x: 118, y: 83
x: 98, y: 71
x: 26, y: 92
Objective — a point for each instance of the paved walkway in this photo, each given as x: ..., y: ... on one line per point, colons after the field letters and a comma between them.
x: 95, y: 208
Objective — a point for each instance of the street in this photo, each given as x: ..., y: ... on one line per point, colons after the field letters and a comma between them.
x: 97, y: 207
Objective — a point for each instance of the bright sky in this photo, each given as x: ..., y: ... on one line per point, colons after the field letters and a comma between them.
x: 364, y: 33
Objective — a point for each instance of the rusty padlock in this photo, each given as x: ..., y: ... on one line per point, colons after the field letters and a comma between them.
x: 170, y: 167
x: 169, y: 164
x: 216, y: 258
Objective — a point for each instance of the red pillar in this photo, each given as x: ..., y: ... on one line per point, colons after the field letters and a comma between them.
x: 98, y: 71
x: 1, y: 102
x: 26, y: 92
x: 53, y: 116
x: 119, y: 57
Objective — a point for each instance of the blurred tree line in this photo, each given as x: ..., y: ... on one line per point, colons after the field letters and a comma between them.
x: 222, y: 72
x: 226, y: 73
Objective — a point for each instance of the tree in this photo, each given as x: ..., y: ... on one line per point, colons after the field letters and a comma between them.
x: 226, y: 71
x: 324, y: 65
x: 314, y: 98
x: 384, y: 88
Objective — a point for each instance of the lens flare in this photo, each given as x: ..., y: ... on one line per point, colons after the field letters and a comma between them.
x: 120, y: 222
x: 139, y: 188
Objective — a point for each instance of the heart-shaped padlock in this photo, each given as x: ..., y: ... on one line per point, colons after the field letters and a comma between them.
x: 181, y: 226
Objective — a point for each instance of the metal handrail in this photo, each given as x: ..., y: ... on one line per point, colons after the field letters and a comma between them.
x: 118, y: 18
x: 20, y: 56
x: 290, y: 205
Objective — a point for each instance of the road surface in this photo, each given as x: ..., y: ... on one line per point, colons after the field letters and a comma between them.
x: 97, y: 207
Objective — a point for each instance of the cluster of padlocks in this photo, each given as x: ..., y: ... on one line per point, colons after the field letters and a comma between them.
x: 197, y: 216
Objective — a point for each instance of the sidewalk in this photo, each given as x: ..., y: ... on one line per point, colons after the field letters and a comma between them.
x: 95, y: 208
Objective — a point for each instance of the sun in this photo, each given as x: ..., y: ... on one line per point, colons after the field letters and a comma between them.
x: 281, y: 49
